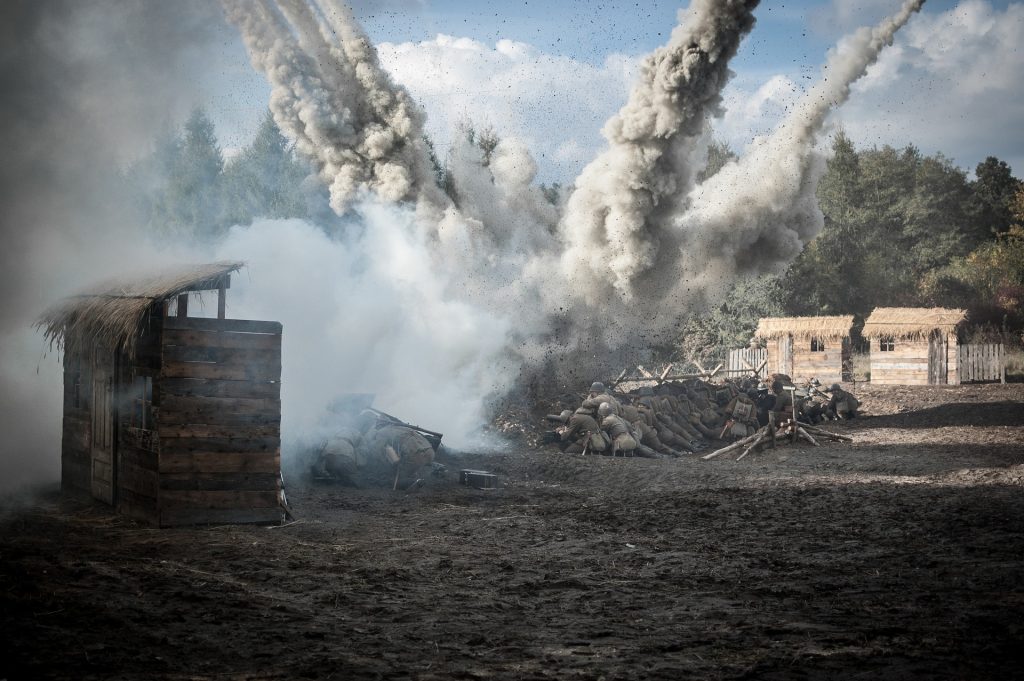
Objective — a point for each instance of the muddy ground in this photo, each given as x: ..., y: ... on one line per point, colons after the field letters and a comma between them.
x: 899, y: 556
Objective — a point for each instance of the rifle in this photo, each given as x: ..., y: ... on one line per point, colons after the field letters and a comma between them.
x: 432, y: 436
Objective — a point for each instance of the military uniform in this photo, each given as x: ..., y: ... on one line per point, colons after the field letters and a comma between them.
x: 582, y: 431
x: 395, y: 447
x: 843, y: 404
x: 618, y: 431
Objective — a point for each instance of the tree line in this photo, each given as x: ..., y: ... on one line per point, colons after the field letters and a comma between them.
x: 901, y: 228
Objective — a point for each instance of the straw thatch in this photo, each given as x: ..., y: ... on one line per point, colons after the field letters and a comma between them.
x: 112, y: 315
x: 802, y: 328
x: 911, y: 322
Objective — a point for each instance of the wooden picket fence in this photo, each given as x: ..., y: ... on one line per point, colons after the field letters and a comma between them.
x: 982, y: 363
x: 747, y: 361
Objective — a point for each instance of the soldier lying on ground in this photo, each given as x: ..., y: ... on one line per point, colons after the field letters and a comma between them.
x: 338, y: 456
x: 393, y: 449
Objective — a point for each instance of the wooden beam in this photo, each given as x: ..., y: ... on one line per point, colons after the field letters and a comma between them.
x: 665, y: 372
x: 222, y: 299
x: 183, y: 305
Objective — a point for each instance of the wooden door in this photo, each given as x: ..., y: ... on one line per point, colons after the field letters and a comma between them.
x: 102, y: 446
x: 937, y: 362
x: 786, y: 355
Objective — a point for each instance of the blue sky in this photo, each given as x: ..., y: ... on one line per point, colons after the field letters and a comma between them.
x: 579, y: 57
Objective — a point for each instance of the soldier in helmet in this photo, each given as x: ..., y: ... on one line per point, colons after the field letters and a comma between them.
x: 393, y: 448
x: 582, y: 432
x: 339, y: 456
x: 598, y: 395
x: 618, y: 430
x: 843, y: 404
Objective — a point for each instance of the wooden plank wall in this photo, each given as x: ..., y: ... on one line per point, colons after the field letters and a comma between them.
x: 981, y: 363
x: 772, y: 352
x: 952, y: 360
x: 826, y: 366
x: 907, y: 364
x: 753, y: 358
x: 76, y: 436
x: 218, y: 400
x: 137, y: 458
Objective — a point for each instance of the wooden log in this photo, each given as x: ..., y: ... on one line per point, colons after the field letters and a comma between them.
x: 827, y: 433
x: 803, y: 433
x: 754, y: 444
x: 729, y: 448
x: 664, y: 373
x: 619, y: 379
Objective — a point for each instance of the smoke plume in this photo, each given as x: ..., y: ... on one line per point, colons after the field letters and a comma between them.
x: 615, y: 220
x: 758, y: 212
x: 331, y: 96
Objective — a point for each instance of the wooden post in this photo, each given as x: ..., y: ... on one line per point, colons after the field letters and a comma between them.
x: 222, y: 300
x: 183, y: 305
x: 1002, y: 365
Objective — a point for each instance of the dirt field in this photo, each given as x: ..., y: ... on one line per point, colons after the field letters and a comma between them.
x: 899, y: 556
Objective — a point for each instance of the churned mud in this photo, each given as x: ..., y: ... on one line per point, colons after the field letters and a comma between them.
x: 898, y: 556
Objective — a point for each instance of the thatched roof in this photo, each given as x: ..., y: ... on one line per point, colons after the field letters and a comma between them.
x: 804, y: 327
x: 911, y: 322
x: 112, y: 314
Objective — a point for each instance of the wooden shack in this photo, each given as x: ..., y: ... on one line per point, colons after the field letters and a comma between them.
x: 808, y: 347
x: 914, y: 345
x: 169, y: 418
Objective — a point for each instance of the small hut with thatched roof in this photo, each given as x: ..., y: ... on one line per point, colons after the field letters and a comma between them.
x: 171, y: 419
x: 914, y: 345
x: 807, y: 347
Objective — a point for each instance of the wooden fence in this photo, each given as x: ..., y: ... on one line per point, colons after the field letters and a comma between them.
x: 982, y: 363
x: 747, y: 361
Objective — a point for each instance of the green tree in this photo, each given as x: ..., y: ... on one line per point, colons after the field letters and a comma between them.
x: 196, y: 186
x: 265, y: 179
x: 994, y: 190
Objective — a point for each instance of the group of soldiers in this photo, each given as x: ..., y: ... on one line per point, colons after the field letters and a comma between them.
x: 374, y: 448
x: 679, y: 417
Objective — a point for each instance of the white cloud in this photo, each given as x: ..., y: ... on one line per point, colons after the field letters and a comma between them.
x: 555, y: 103
x: 953, y: 82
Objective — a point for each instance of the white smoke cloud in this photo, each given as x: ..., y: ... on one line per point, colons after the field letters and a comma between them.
x: 615, y: 219
x: 330, y: 95
x: 368, y: 314
x: 758, y: 212
x: 548, y: 101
